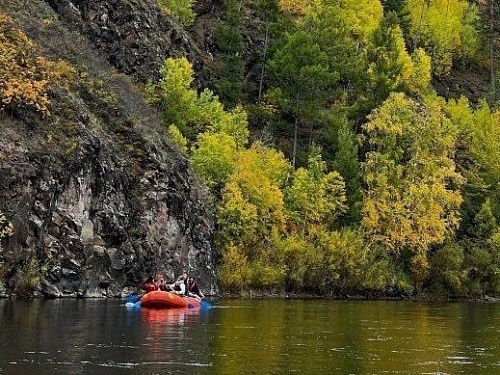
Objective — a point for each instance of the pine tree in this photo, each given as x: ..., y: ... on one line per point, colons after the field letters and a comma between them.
x: 300, y: 71
x: 229, y: 80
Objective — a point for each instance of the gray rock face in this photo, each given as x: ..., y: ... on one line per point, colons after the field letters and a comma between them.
x: 97, y: 229
x: 134, y: 35
x: 98, y: 196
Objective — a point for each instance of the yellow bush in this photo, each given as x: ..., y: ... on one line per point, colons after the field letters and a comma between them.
x: 235, y: 273
x: 25, y: 76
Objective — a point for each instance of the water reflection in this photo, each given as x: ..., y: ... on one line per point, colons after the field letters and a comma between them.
x: 158, y: 318
x: 250, y: 337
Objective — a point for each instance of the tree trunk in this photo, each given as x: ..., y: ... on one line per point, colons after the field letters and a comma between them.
x: 262, y: 70
x: 295, y: 136
x: 492, y: 49
x: 295, y: 131
x: 417, y: 34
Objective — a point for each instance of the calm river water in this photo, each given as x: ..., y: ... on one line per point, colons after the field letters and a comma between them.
x: 250, y: 337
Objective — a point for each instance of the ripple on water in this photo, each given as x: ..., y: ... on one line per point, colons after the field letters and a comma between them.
x: 112, y: 364
x: 106, y: 346
x: 337, y: 349
x: 460, y: 360
x: 43, y: 353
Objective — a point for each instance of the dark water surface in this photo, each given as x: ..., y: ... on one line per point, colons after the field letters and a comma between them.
x: 250, y: 337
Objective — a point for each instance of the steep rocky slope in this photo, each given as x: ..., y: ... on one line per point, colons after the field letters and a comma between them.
x: 97, y: 195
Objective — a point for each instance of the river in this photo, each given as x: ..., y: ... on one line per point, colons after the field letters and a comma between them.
x: 250, y: 337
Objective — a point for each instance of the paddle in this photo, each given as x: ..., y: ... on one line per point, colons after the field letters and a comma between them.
x: 133, y: 298
x: 205, y: 305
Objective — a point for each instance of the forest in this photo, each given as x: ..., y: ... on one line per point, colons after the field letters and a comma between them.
x: 334, y: 160
x: 334, y: 165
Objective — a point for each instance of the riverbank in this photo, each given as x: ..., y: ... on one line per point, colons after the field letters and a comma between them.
x: 256, y: 294
x: 421, y: 297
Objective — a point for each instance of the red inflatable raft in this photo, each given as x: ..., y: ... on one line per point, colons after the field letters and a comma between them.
x: 165, y: 300
x: 193, y: 302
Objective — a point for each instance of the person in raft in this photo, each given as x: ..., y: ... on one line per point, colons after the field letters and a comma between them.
x: 163, y: 286
x: 179, y: 287
x: 150, y: 284
x: 192, y: 288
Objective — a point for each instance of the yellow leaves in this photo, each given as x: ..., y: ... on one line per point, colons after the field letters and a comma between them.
x: 260, y: 172
x: 483, y: 127
x: 214, y: 158
x: 410, y: 202
x: 233, y: 123
x: 444, y: 28
x: 177, y: 73
x: 25, y: 76
x: 179, y: 10
x: 421, y: 74
x: 363, y: 17
x: 316, y: 199
x: 296, y: 7
x: 178, y: 139
x: 263, y: 163
x: 235, y: 272
x: 252, y: 206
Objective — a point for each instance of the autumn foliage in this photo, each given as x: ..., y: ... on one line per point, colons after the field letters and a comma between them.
x: 26, y: 77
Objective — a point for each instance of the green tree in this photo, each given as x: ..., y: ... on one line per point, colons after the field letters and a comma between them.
x: 300, y: 70
x: 485, y: 221
x: 391, y: 66
x: 315, y: 197
x: 194, y: 113
x: 175, y: 95
x: 447, y: 268
x: 179, y: 10
x: 339, y: 38
x: 267, y: 12
x: 400, y: 8
x: 229, y: 80
x: 347, y: 164
x: 213, y: 158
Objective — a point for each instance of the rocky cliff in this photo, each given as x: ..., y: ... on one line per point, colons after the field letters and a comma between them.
x: 97, y: 195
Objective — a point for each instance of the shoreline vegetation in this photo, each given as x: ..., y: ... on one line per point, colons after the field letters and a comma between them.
x: 255, y: 294
x: 349, y: 172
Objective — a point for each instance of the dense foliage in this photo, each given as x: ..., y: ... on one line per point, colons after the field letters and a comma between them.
x: 359, y: 177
